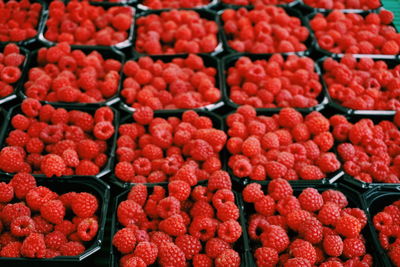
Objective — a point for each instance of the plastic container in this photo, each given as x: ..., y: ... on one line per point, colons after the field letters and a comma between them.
x: 241, y: 245
x: 354, y: 199
x: 309, y: 43
x: 210, y: 5
x: 39, y: 28
x: 204, y: 13
x: 107, y: 53
x: 376, y: 200
x: 390, y: 62
x: 79, y: 184
x: 209, y: 61
x: 19, y: 83
x: 217, y: 124
x: 331, y: 178
x: 7, y: 127
x: 119, y: 46
x: 327, y: 53
x: 230, y: 60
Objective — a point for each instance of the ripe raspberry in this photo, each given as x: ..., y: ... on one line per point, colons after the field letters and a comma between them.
x: 31, y: 107
x: 329, y: 213
x: 221, y: 197
x: 275, y: 169
x: 168, y: 207
x: 265, y: 206
x: 251, y: 146
x: 138, y: 193
x: 34, y: 246
x: 87, y: 229
x: 287, y: 205
x: 336, y: 197
x: 229, y: 231
x: 311, y: 200
x: 215, y: 246
x: 189, y: 245
x: 252, y: 193
x: 353, y: 247
x: 87, y: 167
x: 12, y: 211
x: 275, y: 237
x: 311, y: 230
x: 228, y: 211
x: 279, y: 189
x: 72, y: 248
x: 171, y: 255
x: 179, y: 189
x: 266, y: 256
x: 143, y: 115
x: 88, y: 149
x: 11, y: 250
x: 11, y: 160
x: 52, y: 165
x: 296, y: 218
x: 394, y: 255
x: 333, y: 245
x: 22, y: 226
x: 124, y: 240
x: 55, y: 240
x: 311, y: 172
x: 201, y: 150
x: 203, y: 228
x: 228, y: 257
x: 303, y: 249
x: 44, y: 227
x: 103, y: 130
x: 201, y: 260
x: 317, y: 124
x: 219, y: 180
x: 6, y: 192
x: 289, y: 118
x: 53, y: 211
x: 84, y: 205
x: 147, y: 251
x: 202, y: 208
x: 382, y: 220
x: 348, y: 226
x: 173, y: 225
x: 297, y: 262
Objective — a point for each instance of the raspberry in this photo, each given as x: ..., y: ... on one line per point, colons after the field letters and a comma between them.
x: 228, y: 211
x: 311, y: 230
x: 202, y: 208
x: 6, y: 192
x: 201, y: 150
x: 289, y: 118
x: 135, y: 261
x: 296, y: 218
x: 215, y: 246
x: 143, y: 115
x: 124, y: 240
x: 11, y: 250
x: 310, y: 172
x: 168, y: 207
x: 103, y: 130
x: 31, y: 107
x: 72, y: 249
x: 228, y: 257
x: 203, y: 228
x: 87, y: 149
x: 275, y: 237
x: 52, y: 165
x: 43, y: 227
x: 348, y: 226
x: 138, y: 193
x: 53, y: 211
x: 201, y: 260
x: 266, y: 256
x: 317, y: 124
x: 171, y: 255
x: 275, y: 169
x: 336, y: 197
x: 252, y: 193
x: 87, y: 229
x: 287, y: 205
x: 147, y: 251
x: 55, y: 240
x: 353, y: 247
x: 179, y: 189
x: 12, y: 211
x: 333, y: 245
x: 219, y: 180
x: 303, y: 249
x: 84, y: 205
x: 173, y: 225
x: 265, y: 206
x: 125, y: 171
x: 251, y: 146
x: 22, y: 226
x: 329, y: 213
x: 394, y: 255
x: 311, y: 200
x: 11, y: 160
x: 279, y: 189
x: 87, y: 167
x: 229, y: 231
x: 221, y: 197
x: 298, y: 262
x: 382, y: 220
x: 33, y: 246
x: 189, y: 245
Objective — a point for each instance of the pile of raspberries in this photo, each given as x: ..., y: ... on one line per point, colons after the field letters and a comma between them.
x: 180, y: 225
x: 69, y: 76
x: 81, y: 23
x: 163, y: 4
x: 256, y: 2
x: 19, y: 20
x: 313, y: 229
x: 55, y: 142
x: 277, y: 82
x: 369, y: 150
x: 36, y: 222
x: 265, y: 29
x: 11, y: 61
x: 183, y: 83
x: 343, y: 4
x: 285, y: 145
x: 176, y: 32
x: 387, y: 223
x: 154, y: 149
x: 352, y: 33
x: 362, y: 84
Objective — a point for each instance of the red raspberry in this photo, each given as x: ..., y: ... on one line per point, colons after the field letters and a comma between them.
x: 348, y: 226
x: 33, y: 246
x: 203, y: 228
x: 279, y: 189
x: 72, y: 248
x: 251, y: 146
x: 168, y: 207
x: 317, y: 124
x: 295, y: 218
x: 143, y: 115
x: 221, y: 197
x: 201, y: 260
x: 394, y: 255
x: 219, y: 180
x: 87, y: 149
x: 103, y: 130
x: 173, y: 225
x: 275, y: 237
x: 310, y: 172
x: 43, y: 227
x: 55, y: 240
x: 275, y: 169
x: 138, y: 193
x: 202, y: 208
x: 201, y: 150
x: 329, y: 213
x: 229, y: 231
x: 12, y: 211
x: 53, y: 211
x: 87, y: 229
x: 125, y: 171
x: 52, y: 165
x: 179, y: 189
x: 297, y: 262
x: 336, y: 197
x: 11, y: 160
x: 252, y: 193
x: 87, y: 167
x: 189, y: 245
x: 11, y: 250
x: 22, y: 226
x: 287, y: 205
x: 229, y: 257
x: 215, y: 246
x: 31, y: 107
x: 84, y: 205
x: 333, y: 245
x: 324, y: 141
x: 311, y: 230
x: 228, y: 211
x: 124, y: 240
x: 303, y: 249
x: 6, y: 192
x: 171, y: 255
x: 289, y: 118
x: 311, y: 200
x: 353, y: 247
x: 147, y: 251
x: 266, y: 256
x: 265, y: 206
x: 382, y: 220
